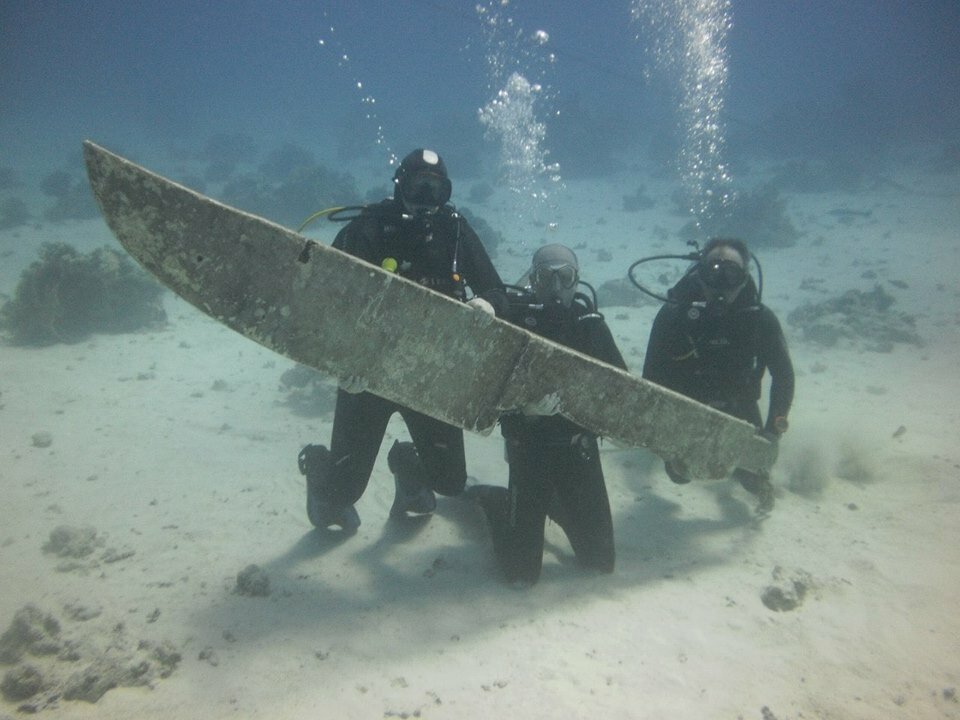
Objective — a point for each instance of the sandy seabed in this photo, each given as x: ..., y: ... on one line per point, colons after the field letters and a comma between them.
x: 176, y: 450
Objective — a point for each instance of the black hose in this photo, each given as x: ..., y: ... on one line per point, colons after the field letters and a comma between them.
x: 339, y: 215
x: 692, y: 257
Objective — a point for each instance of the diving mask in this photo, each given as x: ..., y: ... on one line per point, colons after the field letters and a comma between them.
x: 722, y: 275
x: 546, y: 276
x: 425, y: 190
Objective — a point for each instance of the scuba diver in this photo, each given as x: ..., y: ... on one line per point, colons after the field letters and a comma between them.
x: 554, y: 464
x: 713, y: 340
x: 417, y: 235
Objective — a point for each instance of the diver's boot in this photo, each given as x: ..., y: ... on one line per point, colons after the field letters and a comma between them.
x: 314, y: 462
x: 676, y: 471
x: 492, y: 499
x: 757, y: 484
x: 411, y: 494
x: 520, y: 569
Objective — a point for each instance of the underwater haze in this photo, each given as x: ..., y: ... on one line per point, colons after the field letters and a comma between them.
x: 155, y: 557
x: 806, y: 80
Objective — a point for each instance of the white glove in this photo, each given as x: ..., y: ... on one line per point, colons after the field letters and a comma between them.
x: 547, y: 405
x: 353, y: 384
x: 482, y: 305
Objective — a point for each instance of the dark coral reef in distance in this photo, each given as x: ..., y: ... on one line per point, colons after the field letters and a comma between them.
x: 66, y: 296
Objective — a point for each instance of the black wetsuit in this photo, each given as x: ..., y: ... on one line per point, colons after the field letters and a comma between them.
x: 719, y: 357
x: 554, y: 464
x: 429, y: 250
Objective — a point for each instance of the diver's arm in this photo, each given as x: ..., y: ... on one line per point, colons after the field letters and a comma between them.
x: 355, y: 240
x: 342, y: 240
x: 777, y: 359
x: 475, y: 264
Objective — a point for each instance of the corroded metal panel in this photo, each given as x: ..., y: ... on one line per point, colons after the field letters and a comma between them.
x: 350, y: 319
